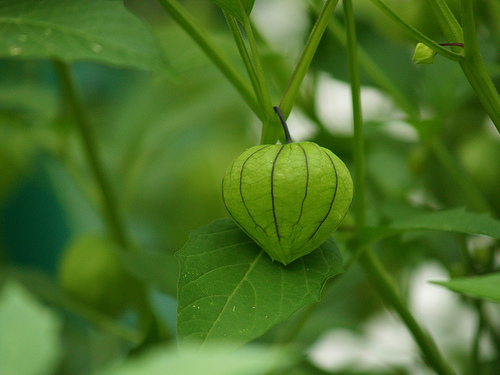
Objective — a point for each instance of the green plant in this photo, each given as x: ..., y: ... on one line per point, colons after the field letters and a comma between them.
x: 288, y: 198
x: 140, y: 127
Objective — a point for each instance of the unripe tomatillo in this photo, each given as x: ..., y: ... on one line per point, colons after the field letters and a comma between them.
x: 92, y: 272
x: 288, y: 198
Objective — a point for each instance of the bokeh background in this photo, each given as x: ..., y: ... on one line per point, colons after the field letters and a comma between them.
x: 166, y: 140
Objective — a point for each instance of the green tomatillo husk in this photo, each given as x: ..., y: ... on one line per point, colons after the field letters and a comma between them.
x: 288, y: 198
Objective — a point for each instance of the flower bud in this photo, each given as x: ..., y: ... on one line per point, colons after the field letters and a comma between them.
x: 423, y: 54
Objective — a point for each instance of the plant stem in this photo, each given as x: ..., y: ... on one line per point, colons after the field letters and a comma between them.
x: 184, y: 19
x: 474, y: 361
x: 447, y: 21
x: 472, y: 194
x: 306, y: 57
x: 417, y: 35
x: 245, y: 56
x: 470, y: 60
x: 357, y: 117
x: 110, y: 207
x: 384, y: 284
x: 270, y: 123
x: 494, y: 334
x: 374, y: 72
x: 289, y: 334
x: 288, y: 138
x: 261, y: 78
x: 109, y: 203
x: 484, y: 326
x: 388, y: 290
x: 474, y: 69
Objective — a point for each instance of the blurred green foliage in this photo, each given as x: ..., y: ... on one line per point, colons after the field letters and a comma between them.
x: 165, y: 141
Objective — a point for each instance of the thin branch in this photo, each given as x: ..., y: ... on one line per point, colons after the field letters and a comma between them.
x: 70, y: 92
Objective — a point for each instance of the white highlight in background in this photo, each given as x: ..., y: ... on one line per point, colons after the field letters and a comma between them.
x: 384, y: 342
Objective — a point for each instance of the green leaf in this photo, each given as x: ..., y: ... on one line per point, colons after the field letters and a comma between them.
x: 30, y: 333
x: 485, y: 287
x: 456, y: 220
x: 47, y: 290
x: 218, y: 360
x: 230, y: 290
x: 93, y: 30
x: 235, y: 7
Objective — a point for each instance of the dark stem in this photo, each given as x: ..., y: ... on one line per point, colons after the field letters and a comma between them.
x: 481, y: 327
x: 288, y: 139
x: 452, y: 44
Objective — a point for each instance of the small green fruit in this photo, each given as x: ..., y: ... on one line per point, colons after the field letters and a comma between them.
x: 92, y: 272
x: 288, y: 198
